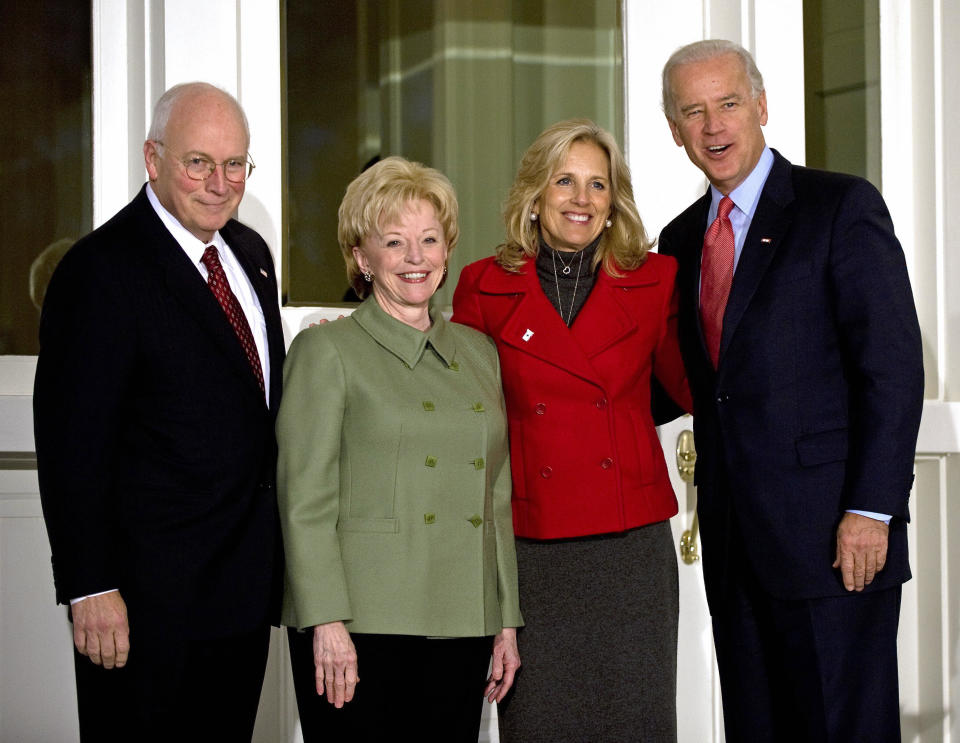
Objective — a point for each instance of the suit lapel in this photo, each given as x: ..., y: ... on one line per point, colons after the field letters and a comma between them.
x: 689, y: 253
x: 604, y: 320
x: 771, y: 221
x: 264, y: 285
x: 184, y: 282
x: 533, y: 326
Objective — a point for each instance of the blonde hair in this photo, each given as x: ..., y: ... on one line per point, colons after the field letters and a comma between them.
x: 623, y: 246
x: 383, y: 192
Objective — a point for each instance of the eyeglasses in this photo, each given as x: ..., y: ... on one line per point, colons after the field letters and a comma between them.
x: 200, y: 168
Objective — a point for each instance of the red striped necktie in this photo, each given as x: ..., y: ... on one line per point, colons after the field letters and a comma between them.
x: 716, y: 276
x: 217, y: 281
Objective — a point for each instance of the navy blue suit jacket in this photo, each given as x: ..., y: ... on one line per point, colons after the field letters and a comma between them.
x: 155, y: 446
x: 815, y: 405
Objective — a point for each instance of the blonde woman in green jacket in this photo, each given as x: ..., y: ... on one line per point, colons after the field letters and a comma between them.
x: 394, y: 485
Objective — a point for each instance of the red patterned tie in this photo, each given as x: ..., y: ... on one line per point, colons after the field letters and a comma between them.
x: 716, y: 275
x: 217, y: 281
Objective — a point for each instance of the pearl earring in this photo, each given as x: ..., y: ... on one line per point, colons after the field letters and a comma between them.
x: 609, y: 223
x: 533, y: 216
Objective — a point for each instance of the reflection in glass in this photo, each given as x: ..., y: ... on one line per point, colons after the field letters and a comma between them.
x: 45, y: 154
x: 842, y: 81
x: 455, y: 84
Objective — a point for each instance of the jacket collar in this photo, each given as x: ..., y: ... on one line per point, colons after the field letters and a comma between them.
x: 771, y: 221
x: 184, y: 282
x: 406, y: 343
x: 534, y: 326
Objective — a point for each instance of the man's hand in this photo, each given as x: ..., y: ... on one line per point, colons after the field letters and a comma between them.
x: 100, y: 629
x: 861, y: 549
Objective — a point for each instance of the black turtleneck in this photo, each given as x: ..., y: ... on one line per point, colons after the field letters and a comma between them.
x: 566, y: 292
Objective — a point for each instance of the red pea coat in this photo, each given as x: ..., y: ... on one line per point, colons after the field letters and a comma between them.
x: 584, y: 451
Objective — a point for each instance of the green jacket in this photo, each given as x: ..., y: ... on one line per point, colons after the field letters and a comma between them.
x: 394, y: 480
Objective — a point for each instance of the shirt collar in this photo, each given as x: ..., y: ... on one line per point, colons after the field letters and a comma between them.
x: 406, y: 343
x: 185, y: 239
x: 747, y: 194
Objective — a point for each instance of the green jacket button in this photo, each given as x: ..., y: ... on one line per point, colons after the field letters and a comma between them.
x: 476, y: 521
x: 428, y: 406
x: 478, y: 407
x: 455, y: 365
x: 478, y: 463
x: 431, y: 461
x: 429, y: 518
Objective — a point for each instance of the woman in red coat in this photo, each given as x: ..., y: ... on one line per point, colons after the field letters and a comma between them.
x: 583, y: 315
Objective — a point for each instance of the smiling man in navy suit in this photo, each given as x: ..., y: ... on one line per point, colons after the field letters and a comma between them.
x: 800, y: 337
x: 156, y: 394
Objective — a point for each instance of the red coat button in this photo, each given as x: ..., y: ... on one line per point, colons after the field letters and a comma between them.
x: 540, y: 408
x: 546, y: 472
x: 602, y: 403
x: 607, y: 463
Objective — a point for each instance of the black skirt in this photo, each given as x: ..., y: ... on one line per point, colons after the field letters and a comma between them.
x: 599, y: 649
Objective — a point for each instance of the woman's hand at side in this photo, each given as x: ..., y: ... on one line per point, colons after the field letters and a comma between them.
x: 506, y: 661
x: 335, y: 659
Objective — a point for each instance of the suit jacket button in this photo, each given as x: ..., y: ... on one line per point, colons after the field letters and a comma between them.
x: 607, y: 463
x: 601, y: 403
x: 546, y: 472
x: 475, y: 520
x: 540, y: 408
x: 429, y: 518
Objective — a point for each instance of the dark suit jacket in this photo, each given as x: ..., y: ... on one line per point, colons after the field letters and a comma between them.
x: 816, y: 403
x: 155, y: 446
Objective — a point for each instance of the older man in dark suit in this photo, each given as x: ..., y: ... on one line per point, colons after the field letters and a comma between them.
x: 156, y: 393
x: 802, y: 346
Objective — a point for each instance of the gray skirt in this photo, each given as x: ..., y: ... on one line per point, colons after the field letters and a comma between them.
x: 599, y: 649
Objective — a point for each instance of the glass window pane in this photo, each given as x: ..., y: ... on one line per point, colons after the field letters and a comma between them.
x: 45, y: 154
x: 462, y: 86
x: 842, y: 80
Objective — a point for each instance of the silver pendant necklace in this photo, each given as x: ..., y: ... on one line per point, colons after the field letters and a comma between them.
x: 556, y: 279
x: 566, y: 266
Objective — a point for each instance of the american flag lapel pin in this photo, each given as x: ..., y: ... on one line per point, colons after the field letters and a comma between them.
x: 528, y: 335
x: 766, y: 240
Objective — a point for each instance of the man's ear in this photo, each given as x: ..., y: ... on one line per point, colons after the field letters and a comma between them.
x: 150, y: 157
x: 762, y: 107
x: 675, y: 132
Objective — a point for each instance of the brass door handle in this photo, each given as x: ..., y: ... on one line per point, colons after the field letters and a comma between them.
x: 686, y: 465
x: 689, y: 552
x: 686, y: 455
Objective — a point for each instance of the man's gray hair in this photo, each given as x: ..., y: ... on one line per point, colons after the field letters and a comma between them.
x: 701, y: 51
x: 167, y: 102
